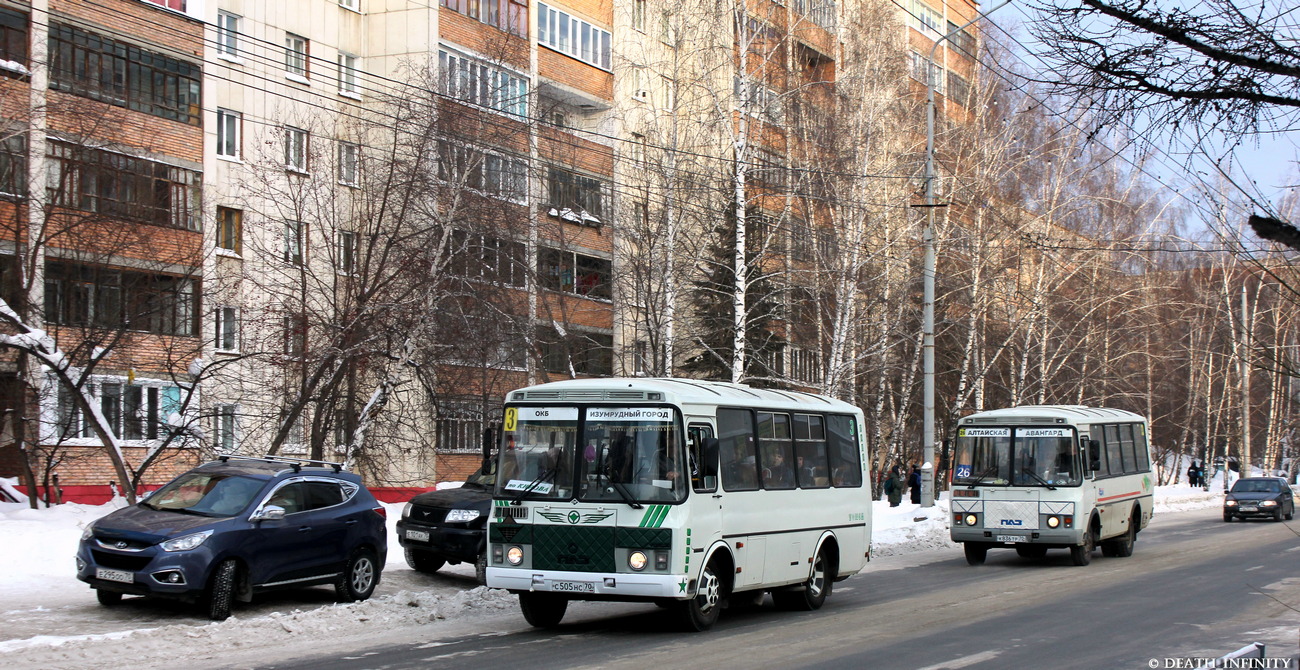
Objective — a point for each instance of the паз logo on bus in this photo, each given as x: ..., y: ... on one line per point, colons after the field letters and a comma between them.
x: 1012, y: 522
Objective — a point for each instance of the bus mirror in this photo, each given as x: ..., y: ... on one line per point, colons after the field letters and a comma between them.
x: 710, y: 455
x: 1094, y: 455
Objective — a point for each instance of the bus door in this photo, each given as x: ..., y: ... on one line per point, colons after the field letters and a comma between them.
x: 705, y: 519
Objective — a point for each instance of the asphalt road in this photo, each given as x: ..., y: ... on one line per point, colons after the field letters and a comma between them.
x: 1195, y: 588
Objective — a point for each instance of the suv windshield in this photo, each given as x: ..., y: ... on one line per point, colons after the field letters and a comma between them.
x: 627, y: 454
x: 1017, y: 457
x: 207, y: 494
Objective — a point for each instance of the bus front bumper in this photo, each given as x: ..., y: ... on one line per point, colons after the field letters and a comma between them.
x: 1060, y: 537
x: 590, y: 585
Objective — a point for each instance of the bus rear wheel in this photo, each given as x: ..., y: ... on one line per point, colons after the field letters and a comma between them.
x: 543, y: 610
x: 976, y: 552
x: 811, y: 594
x: 700, y: 612
x: 1122, y: 546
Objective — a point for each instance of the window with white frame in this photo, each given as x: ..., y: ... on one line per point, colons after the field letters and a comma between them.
x: 348, y: 74
x: 473, y: 81
x: 759, y: 101
x: 459, y: 425
x: 296, y: 142
x: 573, y: 36
x: 133, y: 410
x: 227, y: 327
x: 928, y: 21
x: 926, y: 72
x: 349, y: 162
x: 230, y: 229
x: 296, y: 54
x: 224, y: 426
x: 293, y: 237
x: 228, y: 126
x: 354, y: 5
x: 228, y: 34
x: 638, y: 15
x: 347, y: 253
x: 294, y: 441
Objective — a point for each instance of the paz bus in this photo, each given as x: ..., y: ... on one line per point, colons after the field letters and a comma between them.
x: 681, y: 492
x: 1043, y: 477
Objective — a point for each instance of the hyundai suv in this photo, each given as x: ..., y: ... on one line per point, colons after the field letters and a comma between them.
x: 239, y: 526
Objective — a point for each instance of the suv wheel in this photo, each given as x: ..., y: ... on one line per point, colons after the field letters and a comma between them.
x: 423, y: 562
x: 108, y: 598
x: 359, y: 578
x: 221, y: 593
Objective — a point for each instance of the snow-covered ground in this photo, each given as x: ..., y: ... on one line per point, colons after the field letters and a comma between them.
x: 48, y: 619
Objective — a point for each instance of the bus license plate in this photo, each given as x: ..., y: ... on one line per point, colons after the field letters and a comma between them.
x: 417, y: 535
x: 1010, y: 538
x: 114, y: 575
x: 574, y: 587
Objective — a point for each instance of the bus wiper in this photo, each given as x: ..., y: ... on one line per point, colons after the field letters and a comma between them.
x: 979, y: 479
x: 627, y: 495
x: 549, y: 474
x: 1031, y: 473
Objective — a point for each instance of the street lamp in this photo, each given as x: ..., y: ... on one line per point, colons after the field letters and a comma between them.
x: 927, y: 239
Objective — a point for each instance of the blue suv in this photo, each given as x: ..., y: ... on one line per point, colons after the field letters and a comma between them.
x: 239, y: 526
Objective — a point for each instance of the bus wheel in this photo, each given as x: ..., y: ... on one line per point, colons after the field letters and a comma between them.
x: 976, y: 552
x: 1082, y: 554
x: 543, y: 610
x: 812, y: 593
x: 1122, y: 546
x: 701, y: 612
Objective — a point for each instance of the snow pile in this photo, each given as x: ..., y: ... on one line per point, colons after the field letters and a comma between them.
x: 909, y: 528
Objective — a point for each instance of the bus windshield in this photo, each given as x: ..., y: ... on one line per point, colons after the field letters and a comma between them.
x: 624, y: 454
x: 1035, y: 457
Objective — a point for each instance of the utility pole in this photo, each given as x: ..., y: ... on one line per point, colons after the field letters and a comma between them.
x: 1243, y: 343
x: 927, y: 240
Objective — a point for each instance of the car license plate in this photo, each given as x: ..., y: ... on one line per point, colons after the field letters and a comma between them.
x: 114, y: 575
x: 417, y: 535
x: 1010, y: 538
x: 574, y: 587
x: 1249, y: 508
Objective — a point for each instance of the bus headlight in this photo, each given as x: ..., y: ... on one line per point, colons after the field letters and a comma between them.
x: 515, y: 555
x: 1053, y: 521
x: 971, y: 519
x: 637, y: 560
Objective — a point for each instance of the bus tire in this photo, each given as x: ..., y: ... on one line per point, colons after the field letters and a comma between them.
x: 1081, y: 554
x: 810, y: 595
x: 1122, y: 546
x: 543, y: 610
x: 701, y: 611
x: 976, y: 552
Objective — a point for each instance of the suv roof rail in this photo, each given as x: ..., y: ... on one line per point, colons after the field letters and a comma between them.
x: 296, y: 463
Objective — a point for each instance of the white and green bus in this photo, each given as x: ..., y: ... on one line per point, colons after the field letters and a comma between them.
x: 1040, y: 477
x: 681, y: 492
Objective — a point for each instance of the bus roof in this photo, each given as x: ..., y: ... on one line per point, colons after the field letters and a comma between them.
x: 675, y: 390
x: 1051, y: 414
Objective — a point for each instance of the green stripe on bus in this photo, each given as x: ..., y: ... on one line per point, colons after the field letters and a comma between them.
x: 645, y: 520
x: 663, y: 514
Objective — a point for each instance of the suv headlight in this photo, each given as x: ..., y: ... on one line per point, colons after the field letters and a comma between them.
x: 462, y: 515
x: 88, y: 532
x: 186, y: 543
x: 406, y: 511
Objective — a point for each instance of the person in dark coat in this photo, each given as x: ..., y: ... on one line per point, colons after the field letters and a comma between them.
x: 914, y: 485
x: 894, y: 487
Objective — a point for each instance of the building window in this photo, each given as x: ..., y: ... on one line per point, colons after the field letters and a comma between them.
x: 178, y: 5
x: 472, y: 81
x: 354, y: 5
x: 223, y: 428
x: 638, y: 15
x: 487, y: 173
x: 227, y: 325
x: 349, y: 162
x: 228, y: 34
x: 962, y: 40
x: 133, y: 411
x: 486, y: 258
x: 123, y: 187
x: 348, y: 249
x: 124, y: 75
x: 293, y: 238
x: 348, y: 74
x: 228, y: 125
x: 294, y: 441
x: 295, y: 336
x: 508, y: 15
x: 13, y: 166
x: 759, y: 101
x: 296, y: 142
x: 926, y: 20
x: 958, y: 89
x: 459, y: 426
x: 296, y: 53
x: 230, y: 229
x: 574, y: 197
x: 582, y: 352
x: 570, y: 272
x: 821, y: 12
x: 100, y: 297
x: 571, y: 35
x: 13, y: 41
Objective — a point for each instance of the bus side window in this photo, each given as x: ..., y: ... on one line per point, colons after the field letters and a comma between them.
x: 842, y: 443
x: 736, y: 451
x: 703, y: 456
x: 810, y: 451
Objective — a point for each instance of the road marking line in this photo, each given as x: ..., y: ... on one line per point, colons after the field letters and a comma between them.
x: 963, y: 661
